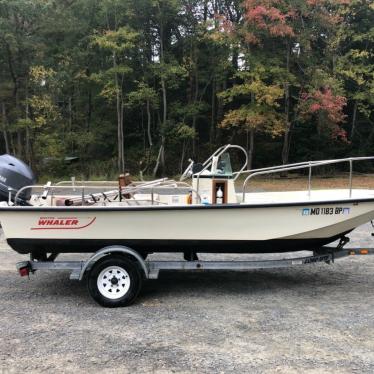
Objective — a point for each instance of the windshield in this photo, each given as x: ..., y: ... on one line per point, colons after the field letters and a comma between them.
x: 224, y: 165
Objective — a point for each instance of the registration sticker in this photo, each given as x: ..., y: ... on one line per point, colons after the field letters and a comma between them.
x: 306, y: 211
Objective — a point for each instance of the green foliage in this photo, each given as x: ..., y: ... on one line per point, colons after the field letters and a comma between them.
x: 171, y: 72
x: 355, y: 64
x: 143, y: 94
x: 118, y: 41
x: 260, y: 103
x: 185, y: 132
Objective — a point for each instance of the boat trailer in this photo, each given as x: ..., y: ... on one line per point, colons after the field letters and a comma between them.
x: 101, y: 269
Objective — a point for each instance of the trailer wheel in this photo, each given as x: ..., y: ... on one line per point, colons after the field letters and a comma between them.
x: 114, y: 281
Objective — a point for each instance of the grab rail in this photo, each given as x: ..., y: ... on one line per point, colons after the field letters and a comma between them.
x: 305, y: 165
x: 84, y: 197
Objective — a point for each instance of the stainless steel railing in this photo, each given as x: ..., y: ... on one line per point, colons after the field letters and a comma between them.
x: 84, y: 198
x: 219, y: 152
x: 304, y: 165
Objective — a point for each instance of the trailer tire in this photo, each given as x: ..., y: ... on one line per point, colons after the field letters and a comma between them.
x: 114, y: 281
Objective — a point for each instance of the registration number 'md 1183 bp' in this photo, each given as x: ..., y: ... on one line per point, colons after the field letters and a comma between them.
x: 325, y: 211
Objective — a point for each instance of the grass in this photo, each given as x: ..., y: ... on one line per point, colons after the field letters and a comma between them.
x: 294, y: 183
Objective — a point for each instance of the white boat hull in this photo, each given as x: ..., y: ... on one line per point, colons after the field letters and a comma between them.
x: 250, y: 228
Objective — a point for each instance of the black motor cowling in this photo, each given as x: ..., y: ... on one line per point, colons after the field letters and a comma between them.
x: 15, y: 174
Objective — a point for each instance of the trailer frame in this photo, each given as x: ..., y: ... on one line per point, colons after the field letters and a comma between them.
x: 150, y: 269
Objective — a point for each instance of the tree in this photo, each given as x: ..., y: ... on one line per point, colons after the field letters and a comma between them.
x: 354, y: 44
x: 120, y: 43
x: 297, y: 31
x: 258, y: 111
x: 19, y: 40
x: 327, y: 109
x: 146, y: 98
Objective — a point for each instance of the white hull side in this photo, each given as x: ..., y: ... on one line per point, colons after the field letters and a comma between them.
x: 226, y: 223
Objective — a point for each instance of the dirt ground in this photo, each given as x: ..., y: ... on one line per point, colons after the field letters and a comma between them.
x: 314, y: 319
x: 297, y: 182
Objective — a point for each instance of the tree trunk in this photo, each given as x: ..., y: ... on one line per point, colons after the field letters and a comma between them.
x: 70, y: 124
x: 28, y: 145
x: 205, y: 12
x: 354, y: 118
x: 122, y: 138
x: 15, y: 91
x: 162, y: 148
x: 89, y: 105
x: 12, y: 145
x: 250, y: 139
x: 158, y: 160
x: 369, y: 139
x: 250, y: 147
x: 19, y: 144
x: 119, y: 132
x: 143, y: 131
x: 4, y: 128
x: 220, y: 112
x: 286, y: 141
x: 196, y: 95
x: 119, y: 106
x: 149, y: 125
x: 182, y: 156
x: 161, y: 153
x: 19, y: 133
x: 213, y: 115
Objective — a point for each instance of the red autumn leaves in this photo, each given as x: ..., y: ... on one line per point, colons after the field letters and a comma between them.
x: 267, y: 17
x: 327, y: 108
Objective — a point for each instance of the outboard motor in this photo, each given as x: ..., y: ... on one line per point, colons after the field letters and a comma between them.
x: 15, y: 174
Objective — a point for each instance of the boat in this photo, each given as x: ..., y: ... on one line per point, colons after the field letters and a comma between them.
x: 121, y: 224
x: 208, y: 214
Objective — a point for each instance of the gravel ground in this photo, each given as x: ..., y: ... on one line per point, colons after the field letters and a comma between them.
x: 313, y: 319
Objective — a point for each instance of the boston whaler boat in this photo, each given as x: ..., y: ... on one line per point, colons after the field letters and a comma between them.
x: 121, y: 225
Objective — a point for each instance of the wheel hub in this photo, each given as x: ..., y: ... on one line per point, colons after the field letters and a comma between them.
x: 113, y: 282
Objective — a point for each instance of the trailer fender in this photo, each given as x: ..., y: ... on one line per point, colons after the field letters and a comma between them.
x: 114, y: 249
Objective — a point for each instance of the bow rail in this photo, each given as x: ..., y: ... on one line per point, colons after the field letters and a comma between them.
x: 304, y: 165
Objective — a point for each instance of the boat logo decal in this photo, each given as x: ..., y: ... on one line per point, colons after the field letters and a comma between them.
x: 63, y: 223
x: 325, y: 211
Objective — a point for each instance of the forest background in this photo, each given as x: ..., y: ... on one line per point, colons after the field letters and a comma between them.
x: 94, y: 87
